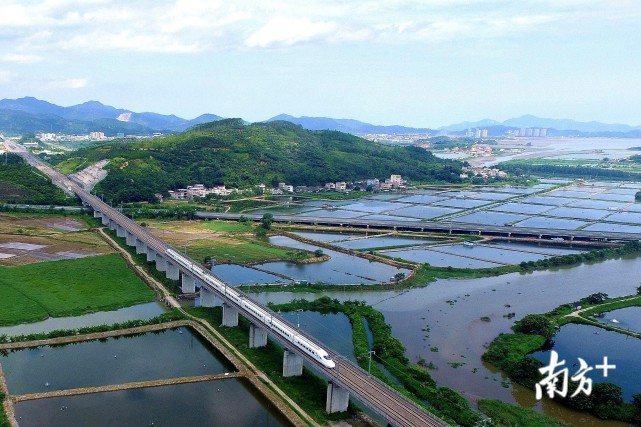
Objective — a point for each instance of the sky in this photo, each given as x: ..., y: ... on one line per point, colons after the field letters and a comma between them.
x: 426, y: 63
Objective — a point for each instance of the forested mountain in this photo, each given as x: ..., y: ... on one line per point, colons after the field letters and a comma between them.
x: 238, y: 155
x: 29, y: 114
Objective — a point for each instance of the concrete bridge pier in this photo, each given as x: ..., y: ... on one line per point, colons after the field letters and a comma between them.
x: 113, y: 225
x: 208, y: 298
x: 151, y: 254
x: 97, y: 214
x: 131, y: 239
x: 337, y: 398
x: 230, y: 315
x: 120, y: 231
x: 292, y: 364
x: 141, y: 247
x: 188, y: 283
x: 161, y: 263
x: 571, y: 238
x: 105, y: 221
x: 257, y: 336
x: 172, y: 272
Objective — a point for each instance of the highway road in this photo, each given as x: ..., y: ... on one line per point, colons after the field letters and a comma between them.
x: 440, y: 227
x: 395, y: 408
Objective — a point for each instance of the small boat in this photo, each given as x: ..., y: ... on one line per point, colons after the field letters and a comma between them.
x: 615, y: 321
x: 468, y: 243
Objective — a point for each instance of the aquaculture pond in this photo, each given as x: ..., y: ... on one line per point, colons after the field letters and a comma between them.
x: 625, y: 318
x: 339, y: 269
x: 135, y: 312
x: 165, y: 354
x: 592, y: 344
x: 229, y: 402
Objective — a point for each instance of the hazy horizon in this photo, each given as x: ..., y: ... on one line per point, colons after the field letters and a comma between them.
x: 414, y: 63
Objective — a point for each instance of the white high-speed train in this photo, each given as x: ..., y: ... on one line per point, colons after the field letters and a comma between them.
x: 276, y: 325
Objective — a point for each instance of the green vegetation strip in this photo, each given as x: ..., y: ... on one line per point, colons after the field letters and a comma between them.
x: 33, y: 292
x: 534, y: 332
x: 170, y: 316
x: 505, y: 414
x: 4, y: 421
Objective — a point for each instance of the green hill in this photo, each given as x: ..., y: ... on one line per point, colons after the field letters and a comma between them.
x: 238, y: 155
x: 20, y: 183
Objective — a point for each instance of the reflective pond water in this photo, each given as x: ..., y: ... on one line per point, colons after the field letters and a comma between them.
x: 241, y: 275
x: 229, y: 402
x: 490, y: 218
x: 136, y: 312
x: 381, y: 242
x: 555, y: 223
x: 626, y: 318
x: 339, y: 269
x: 112, y: 361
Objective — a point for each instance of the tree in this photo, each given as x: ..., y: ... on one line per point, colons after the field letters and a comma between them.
x: 597, y: 298
x: 535, y: 324
x: 318, y: 253
x: 636, y: 400
x: 607, y: 394
x: 639, y: 290
x: 637, y: 196
x: 266, y: 221
x: 399, y: 276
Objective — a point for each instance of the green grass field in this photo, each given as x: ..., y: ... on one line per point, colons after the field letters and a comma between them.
x: 228, y: 226
x: 34, y: 292
x: 240, y: 251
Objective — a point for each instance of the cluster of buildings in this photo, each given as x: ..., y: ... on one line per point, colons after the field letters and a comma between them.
x: 536, y: 132
x: 482, y: 172
x: 476, y: 150
x: 199, y: 190
x: 476, y: 133
x: 91, y: 136
x: 394, y: 182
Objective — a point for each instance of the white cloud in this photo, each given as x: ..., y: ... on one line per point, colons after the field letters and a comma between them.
x: 21, y: 58
x: 6, y: 77
x: 72, y: 83
x: 286, y: 32
x: 193, y: 26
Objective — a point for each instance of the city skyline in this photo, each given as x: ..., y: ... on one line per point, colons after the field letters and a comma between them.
x: 412, y: 63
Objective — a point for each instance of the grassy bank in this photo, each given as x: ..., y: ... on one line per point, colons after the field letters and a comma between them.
x: 505, y: 414
x: 68, y: 288
x: 4, y: 421
x: 509, y: 352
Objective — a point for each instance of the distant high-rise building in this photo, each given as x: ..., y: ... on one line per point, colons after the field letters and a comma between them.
x: 529, y: 132
x: 536, y: 132
x: 484, y: 133
x: 544, y: 132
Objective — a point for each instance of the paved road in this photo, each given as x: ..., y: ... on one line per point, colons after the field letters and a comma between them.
x: 433, y: 226
x: 390, y: 405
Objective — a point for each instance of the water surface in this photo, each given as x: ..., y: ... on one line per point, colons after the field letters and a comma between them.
x: 229, y: 402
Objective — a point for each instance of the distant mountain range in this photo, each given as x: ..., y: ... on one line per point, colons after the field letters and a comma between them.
x: 18, y: 116
x: 347, y: 125
x: 34, y: 115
